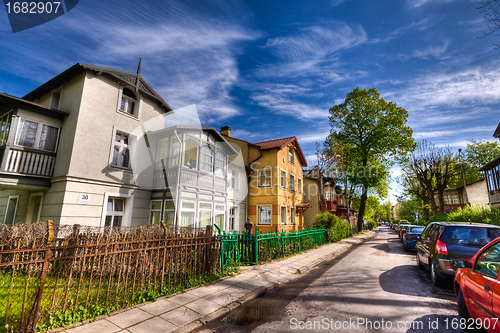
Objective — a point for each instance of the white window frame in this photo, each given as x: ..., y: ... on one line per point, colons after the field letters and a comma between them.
x: 137, y: 107
x: 38, y: 134
x: 220, y: 212
x: 266, y: 177
x: 283, y: 179
x: 299, y: 185
x: 234, y: 181
x: 127, y: 209
x: 233, y: 213
x: 290, y: 155
x: 220, y: 169
x: 5, y: 124
x: 211, y: 210
x: 292, y: 216
x: 188, y: 210
x: 165, y: 210
x: 283, y: 216
x: 270, y: 218
x: 198, y: 162
x: 175, y: 152
x: 37, y: 214
x: 210, y: 157
x: 151, y: 210
x: 129, y: 146
x: 15, y: 209
x: 292, y: 182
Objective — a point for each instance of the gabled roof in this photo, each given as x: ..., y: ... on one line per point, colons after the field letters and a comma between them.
x: 8, y: 102
x: 497, y: 132
x: 280, y: 144
x: 128, y: 78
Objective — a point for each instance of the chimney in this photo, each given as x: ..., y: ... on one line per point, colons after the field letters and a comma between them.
x: 226, y: 131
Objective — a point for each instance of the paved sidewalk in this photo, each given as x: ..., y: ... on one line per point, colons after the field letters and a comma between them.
x: 187, y: 311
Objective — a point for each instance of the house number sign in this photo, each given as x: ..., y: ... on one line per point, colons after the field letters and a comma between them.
x: 84, y: 199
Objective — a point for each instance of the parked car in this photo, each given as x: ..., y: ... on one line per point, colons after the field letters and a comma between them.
x: 441, y: 242
x: 411, y: 236
x: 477, y: 290
x: 400, y: 224
x: 402, y: 230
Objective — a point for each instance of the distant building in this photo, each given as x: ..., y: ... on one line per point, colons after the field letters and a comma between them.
x: 455, y: 198
x: 492, y: 173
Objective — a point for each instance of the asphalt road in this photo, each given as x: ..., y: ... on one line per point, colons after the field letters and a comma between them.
x: 375, y: 287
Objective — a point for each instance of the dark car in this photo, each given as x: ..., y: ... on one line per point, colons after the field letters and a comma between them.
x: 477, y: 288
x: 411, y: 236
x: 401, y: 224
x: 402, y: 230
x: 441, y: 242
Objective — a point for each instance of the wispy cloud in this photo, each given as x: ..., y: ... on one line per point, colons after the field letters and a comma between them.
x: 311, y: 49
x: 452, y: 132
x: 419, y: 3
x: 438, y: 52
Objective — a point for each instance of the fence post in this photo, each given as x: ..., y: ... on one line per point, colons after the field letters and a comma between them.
x: 208, y: 247
x: 164, y: 253
x: 282, y: 244
x: 300, y: 238
x: 45, y: 269
x: 256, y: 245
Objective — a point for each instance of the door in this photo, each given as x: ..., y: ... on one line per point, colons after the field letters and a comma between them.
x: 34, y: 208
x: 481, y: 282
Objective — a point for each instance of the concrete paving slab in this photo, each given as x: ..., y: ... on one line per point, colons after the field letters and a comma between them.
x: 156, y: 325
x: 159, y: 307
x: 96, y: 327
x: 181, y: 316
x: 203, y: 306
x: 207, y: 290
x: 130, y: 317
x: 182, y: 299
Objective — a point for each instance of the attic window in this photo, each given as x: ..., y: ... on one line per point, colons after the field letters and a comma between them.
x: 128, y: 102
x: 290, y: 154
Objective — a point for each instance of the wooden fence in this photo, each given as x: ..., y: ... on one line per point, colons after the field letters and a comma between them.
x: 46, y: 268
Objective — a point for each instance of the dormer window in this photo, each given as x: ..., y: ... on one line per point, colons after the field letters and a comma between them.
x: 128, y: 102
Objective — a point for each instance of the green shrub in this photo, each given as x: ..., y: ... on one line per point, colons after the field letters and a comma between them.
x: 325, y: 220
x: 474, y: 213
x: 339, y: 231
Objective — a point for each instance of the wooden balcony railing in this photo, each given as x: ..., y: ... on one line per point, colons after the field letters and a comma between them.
x: 27, y: 161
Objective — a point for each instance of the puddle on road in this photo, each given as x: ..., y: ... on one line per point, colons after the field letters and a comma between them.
x: 249, y: 314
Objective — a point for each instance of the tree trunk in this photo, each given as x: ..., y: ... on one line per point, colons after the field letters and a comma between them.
x: 362, y: 206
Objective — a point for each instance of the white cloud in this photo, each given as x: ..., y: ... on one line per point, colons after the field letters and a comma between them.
x: 433, y: 52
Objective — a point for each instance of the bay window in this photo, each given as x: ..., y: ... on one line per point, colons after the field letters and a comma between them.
x: 36, y: 135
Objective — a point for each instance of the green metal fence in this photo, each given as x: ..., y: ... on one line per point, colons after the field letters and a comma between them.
x: 247, y: 249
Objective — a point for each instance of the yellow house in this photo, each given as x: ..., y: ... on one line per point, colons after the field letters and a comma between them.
x: 275, y: 183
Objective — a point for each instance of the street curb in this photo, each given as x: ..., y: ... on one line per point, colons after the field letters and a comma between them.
x: 262, y: 290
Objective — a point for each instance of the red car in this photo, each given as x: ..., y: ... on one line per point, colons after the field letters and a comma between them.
x: 478, y: 289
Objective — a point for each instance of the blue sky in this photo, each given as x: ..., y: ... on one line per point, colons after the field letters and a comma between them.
x: 272, y: 69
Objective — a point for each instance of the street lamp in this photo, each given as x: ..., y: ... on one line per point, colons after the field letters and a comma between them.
x: 463, y: 176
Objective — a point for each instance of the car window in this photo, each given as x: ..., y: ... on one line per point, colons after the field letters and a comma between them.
x: 469, y: 235
x: 415, y: 229
x: 488, y: 262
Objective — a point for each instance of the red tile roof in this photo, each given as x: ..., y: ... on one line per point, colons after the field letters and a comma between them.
x: 280, y: 144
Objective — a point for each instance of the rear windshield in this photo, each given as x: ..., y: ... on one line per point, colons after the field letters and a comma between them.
x: 469, y: 235
x: 416, y: 229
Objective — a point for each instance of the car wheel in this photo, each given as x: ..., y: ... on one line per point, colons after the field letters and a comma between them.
x: 463, y: 312
x: 436, y: 280
x: 419, y: 263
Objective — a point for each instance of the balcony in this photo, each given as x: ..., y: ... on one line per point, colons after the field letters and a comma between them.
x: 26, y: 161
x: 331, y: 206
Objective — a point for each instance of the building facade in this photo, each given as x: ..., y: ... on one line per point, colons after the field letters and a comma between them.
x: 273, y: 170
x: 89, y: 147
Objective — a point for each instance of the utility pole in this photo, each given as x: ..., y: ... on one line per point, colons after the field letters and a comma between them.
x: 463, y: 176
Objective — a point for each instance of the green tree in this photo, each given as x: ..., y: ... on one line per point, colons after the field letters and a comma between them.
x: 408, y: 207
x: 476, y: 154
x: 373, y: 132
